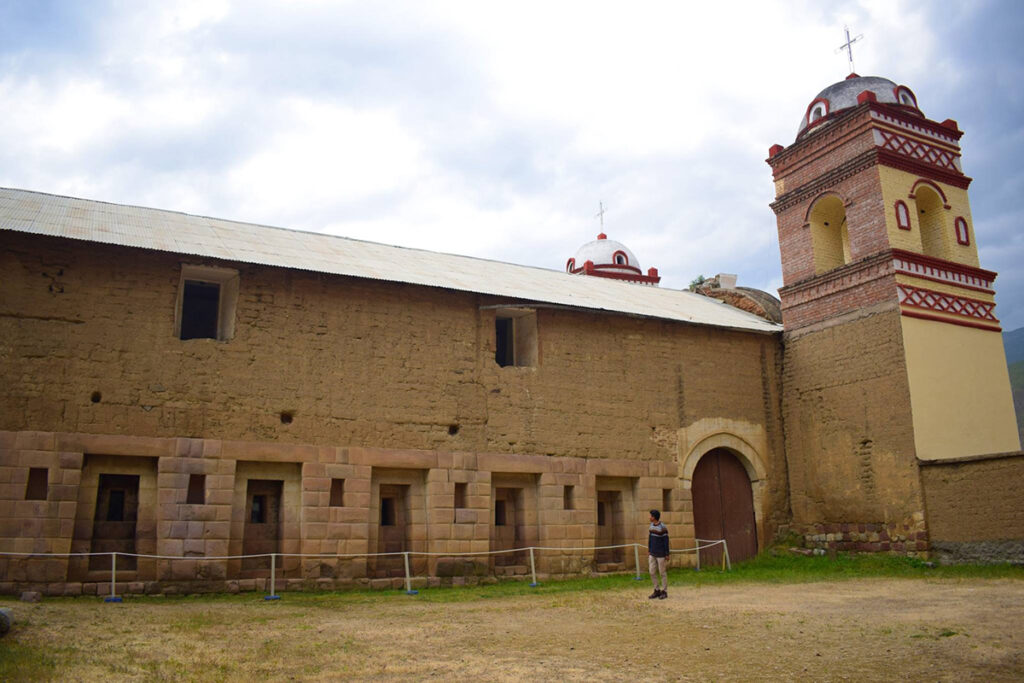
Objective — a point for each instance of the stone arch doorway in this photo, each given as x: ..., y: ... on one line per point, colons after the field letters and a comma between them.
x: 723, y: 506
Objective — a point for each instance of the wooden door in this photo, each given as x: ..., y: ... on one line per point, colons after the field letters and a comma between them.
x: 723, y: 507
x: 262, y: 531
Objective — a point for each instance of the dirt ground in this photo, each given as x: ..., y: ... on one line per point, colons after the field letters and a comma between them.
x: 866, y: 629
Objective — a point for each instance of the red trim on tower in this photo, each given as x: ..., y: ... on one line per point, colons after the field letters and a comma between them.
x: 931, y: 184
x: 943, y: 264
x: 810, y: 107
x: 866, y: 96
x: 924, y: 123
x: 952, y: 321
x: 962, y: 235
x: 953, y: 304
x: 902, y: 217
x: 625, y: 258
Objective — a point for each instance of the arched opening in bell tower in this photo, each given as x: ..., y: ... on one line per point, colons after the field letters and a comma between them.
x: 930, y: 216
x: 830, y: 235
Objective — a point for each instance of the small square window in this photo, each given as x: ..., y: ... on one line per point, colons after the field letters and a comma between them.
x: 115, y: 506
x: 200, y: 310
x: 499, y: 513
x: 337, y: 493
x: 515, y: 337
x: 666, y: 500
x: 258, y: 515
x: 38, y: 484
x: 387, y: 512
x: 207, y: 298
x: 196, y: 489
x: 568, y: 497
x: 460, y: 496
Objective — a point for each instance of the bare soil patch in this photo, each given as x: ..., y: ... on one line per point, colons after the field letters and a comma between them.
x: 865, y: 629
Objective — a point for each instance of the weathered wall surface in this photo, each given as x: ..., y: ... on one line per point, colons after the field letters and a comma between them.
x: 973, y: 508
x: 849, y: 435
x: 385, y: 384
x: 87, y: 344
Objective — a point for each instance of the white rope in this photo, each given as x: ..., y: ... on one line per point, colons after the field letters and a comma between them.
x: 340, y: 556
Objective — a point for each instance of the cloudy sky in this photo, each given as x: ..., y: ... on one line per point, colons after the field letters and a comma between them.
x: 494, y: 129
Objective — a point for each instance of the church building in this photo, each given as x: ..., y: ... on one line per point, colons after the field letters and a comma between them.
x: 177, y: 386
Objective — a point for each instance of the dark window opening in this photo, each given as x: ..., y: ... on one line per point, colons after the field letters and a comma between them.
x: 337, y: 493
x: 504, y: 348
x: 499, y: 513
x: 666, y: 500
x: 601, y: 519
x: 460, y: 496
x: 196, y: 489
x: 38, y: 483
x: 387, y: 512
x: 200, y: 310
x: 567, y: 498
x: 259, y: 510
x: 115, y: 508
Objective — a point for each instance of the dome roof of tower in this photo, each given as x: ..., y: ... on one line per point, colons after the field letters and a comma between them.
x: 607, y: 258
x: 843, y: 95
x: 606, y: 252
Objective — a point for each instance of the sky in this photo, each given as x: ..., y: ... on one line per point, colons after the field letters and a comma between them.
x: 495, y: 129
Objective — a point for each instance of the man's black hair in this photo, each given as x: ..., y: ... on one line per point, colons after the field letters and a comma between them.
x: 656, y: 515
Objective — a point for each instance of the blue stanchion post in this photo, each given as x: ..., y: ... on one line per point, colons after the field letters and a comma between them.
x: 408, y: 578
x: 273, y: 577
x: 113, y: 597
x: 533, y: 569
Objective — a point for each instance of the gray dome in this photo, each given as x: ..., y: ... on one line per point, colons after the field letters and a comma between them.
x: 843, y: 95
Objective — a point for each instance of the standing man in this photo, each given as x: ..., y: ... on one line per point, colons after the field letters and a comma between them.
x: 657, y: 555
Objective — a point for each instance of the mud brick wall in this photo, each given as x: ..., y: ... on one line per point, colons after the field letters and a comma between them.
x: 973, y: 508
x: 87, y: 345
x: 849, y: 436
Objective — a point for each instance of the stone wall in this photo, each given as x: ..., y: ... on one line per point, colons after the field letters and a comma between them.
x: 973, y: 508
x: 342, y: 535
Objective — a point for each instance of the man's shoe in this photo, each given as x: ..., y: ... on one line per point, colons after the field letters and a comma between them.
x: 655, y: 594
x: 662, y: 595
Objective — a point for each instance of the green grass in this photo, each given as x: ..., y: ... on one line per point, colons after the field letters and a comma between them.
x: 25, y: 662
x: 777, y: 565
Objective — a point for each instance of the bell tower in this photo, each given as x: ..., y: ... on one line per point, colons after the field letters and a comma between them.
x: 892, y: 349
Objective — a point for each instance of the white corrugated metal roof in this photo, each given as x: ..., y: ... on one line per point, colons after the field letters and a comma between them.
x: 132, y: 226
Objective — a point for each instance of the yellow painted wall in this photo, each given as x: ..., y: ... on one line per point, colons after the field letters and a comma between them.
x: 959, y: 390
x: 896, y: 185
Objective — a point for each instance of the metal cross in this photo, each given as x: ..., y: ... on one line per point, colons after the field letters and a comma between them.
x: 600, y: 214
x: 848, y: 46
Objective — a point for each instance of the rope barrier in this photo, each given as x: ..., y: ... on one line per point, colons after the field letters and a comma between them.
x: 700, y: 544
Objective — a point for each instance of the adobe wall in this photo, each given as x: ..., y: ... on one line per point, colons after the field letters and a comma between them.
x: 375, y: 376
x: 88, y: 346
x: 973, y: 508
x: 849, y: 436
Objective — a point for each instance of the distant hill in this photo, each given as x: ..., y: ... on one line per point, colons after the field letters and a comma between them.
x: 1017, y: 384
x: 1014, y: 343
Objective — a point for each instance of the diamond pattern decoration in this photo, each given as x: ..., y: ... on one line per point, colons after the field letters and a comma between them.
x: 930, y: 300
x: 918, y: 150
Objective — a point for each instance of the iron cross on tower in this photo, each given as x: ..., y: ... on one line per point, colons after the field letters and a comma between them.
x: 600, y: 213
x: 848, y: 46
